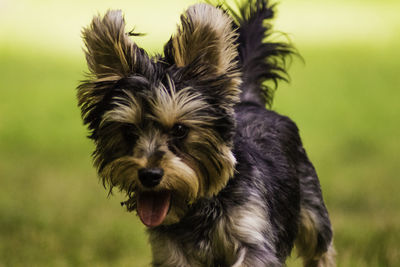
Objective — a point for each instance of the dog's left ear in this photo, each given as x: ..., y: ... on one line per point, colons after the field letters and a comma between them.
x: 204, y: 47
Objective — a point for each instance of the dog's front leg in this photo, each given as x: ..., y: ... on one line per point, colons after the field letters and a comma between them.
x: 166, y: 252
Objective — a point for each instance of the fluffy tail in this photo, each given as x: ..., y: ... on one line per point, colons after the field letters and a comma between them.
x: 261, y: 60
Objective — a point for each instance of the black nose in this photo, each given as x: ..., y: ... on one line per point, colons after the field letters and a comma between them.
x: 150, y: 177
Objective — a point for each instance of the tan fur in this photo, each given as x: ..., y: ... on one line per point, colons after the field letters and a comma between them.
x: 110, y: 52
x: 251, y: 222
x: 306, y: 243
x: 328, y: 259
x: 210, y: 33
x: 167, y: 252
x: 119, y: 172
x: 127, y: 110
x: 223, y: 243
x: 206, y: 35
x: 183, y: 181
x: 240, y: 258
x: 170, y: 107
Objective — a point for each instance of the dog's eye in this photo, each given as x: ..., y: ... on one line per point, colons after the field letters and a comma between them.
x: 179, y: 131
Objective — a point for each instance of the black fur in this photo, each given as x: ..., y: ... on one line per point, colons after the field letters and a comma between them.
x: 260, y: 60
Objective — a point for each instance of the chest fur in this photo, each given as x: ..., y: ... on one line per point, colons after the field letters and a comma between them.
x: 224, y: 243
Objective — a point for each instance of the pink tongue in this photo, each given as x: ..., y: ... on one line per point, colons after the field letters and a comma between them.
x: 153, y: 207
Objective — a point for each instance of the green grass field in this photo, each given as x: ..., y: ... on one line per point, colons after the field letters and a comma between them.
x: 345, y: 99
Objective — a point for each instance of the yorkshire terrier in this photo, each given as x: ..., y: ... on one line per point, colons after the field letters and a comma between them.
x: 217, y: 178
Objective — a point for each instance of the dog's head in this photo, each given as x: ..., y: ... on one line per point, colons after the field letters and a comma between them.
x: 162, y: 125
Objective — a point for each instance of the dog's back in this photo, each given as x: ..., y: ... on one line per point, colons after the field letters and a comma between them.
x: 263, y: 61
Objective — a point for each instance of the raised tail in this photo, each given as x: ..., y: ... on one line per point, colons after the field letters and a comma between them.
x: 260, y: 59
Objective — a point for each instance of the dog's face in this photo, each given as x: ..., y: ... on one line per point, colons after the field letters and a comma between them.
x: 162, y: 126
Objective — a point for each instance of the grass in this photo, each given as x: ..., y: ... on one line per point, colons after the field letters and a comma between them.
x: 54, y: 212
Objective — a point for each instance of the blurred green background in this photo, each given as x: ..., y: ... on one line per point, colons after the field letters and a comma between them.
x: 345, y: 99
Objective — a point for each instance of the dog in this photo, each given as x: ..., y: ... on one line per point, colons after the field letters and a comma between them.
x: 217, y: 178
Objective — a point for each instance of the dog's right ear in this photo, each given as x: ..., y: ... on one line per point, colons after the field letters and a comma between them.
x: 110, y: 53
x: 111, y: 56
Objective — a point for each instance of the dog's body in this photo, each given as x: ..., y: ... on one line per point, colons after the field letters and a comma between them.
x: 218, y: 179
x: 254, y: 220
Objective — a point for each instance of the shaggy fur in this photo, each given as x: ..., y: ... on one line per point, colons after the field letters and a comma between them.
x: 218, y: 179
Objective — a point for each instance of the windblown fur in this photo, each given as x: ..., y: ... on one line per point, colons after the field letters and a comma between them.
x: 218, y: 179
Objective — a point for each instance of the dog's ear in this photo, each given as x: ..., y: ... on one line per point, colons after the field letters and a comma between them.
x: 206, y: 35
x: 110, y: 53
x: 205, y: 46
x: 111, y: 56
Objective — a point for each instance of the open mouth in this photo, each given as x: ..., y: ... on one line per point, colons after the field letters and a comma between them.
x: 152, y: 207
